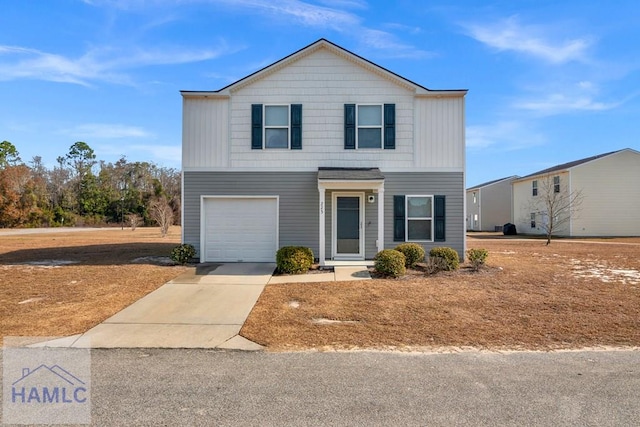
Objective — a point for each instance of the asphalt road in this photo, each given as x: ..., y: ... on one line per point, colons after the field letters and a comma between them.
x: 216, y: 388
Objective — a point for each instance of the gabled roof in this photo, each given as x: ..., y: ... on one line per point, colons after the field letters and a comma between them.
x: 495, y: 181
x: 340, y: 51
x: 569, y: 165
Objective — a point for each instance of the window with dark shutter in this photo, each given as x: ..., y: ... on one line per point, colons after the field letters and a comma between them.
x: 389, y: 126
x: 256, y: 126
x: 350, y: 126
x: 439, y: 218
x: 296, y: 126
x: 398, y: 218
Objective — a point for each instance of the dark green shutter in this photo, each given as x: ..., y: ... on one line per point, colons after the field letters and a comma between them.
x: 439, y: 218
x: 398, y: 219
x: 256, y: 126
x: 389, y: 126
x: 296, y: 126
x: 349, y: 126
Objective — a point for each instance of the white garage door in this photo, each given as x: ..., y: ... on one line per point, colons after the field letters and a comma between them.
x: 240, y: 229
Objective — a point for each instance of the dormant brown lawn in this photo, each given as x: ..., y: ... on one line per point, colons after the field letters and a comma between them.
x: 571, y: 294
x: 61, y: 284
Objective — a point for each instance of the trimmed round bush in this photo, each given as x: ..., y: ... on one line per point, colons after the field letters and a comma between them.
x: 181, y: 254
x: 390, y: 262
x: 477, y: 257
x: 449, y: 255
x: 413, y: 252
x: 294, y: 259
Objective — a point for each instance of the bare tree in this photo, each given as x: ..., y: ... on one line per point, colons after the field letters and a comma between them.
x: 555, y: 203
x: 134, y: 220
x: 161, y: 212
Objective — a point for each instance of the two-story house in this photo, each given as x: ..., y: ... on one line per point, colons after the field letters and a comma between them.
x: 594, y: 196
x: 489, y: 205
x: 323, y: 149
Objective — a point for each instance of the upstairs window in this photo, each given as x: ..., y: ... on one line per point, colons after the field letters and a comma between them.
x: 534, y: 188
x: 369, y: 126
x: 276, y: 126
x: 556, y: 184
x: 369, y: 118
x: 474, y: 198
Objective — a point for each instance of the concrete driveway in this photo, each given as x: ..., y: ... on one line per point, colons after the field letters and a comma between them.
x: 201, y: 310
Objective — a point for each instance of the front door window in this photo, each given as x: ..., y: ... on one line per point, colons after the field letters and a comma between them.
x: 348, y: 225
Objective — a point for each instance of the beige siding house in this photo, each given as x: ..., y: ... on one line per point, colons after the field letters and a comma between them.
x: 489, y: 205
x: 608, y: 202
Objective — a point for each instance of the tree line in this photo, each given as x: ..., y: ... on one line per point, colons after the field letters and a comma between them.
x: 81, y: 190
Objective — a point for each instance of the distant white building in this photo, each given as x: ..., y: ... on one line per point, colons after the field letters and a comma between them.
x: 489, y: 205
x: 610, y: 196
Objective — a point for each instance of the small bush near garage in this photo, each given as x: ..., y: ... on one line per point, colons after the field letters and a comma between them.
x: 449, y: 255
x: 477, y: 258
x: 390, y: 262
x: 181, y: 254
x: 294, y: 259
x: 413, y: 252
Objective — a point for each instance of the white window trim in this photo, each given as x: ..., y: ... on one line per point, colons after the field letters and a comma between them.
x: 334, y: 221
x: 533, y: 223
x: 558, y: 184
x: 381, y: 127
x: 534, y: 188
x: 265, y: 127
x: 407, y: 219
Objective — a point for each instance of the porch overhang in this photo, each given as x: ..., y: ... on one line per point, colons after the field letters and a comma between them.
x: 349, y: 179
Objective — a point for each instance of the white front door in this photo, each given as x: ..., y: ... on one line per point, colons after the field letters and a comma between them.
x: 347, y: 226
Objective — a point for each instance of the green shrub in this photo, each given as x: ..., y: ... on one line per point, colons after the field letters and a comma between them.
x: 390, y: 262
x: 183, y: 253
x: 448, y: 254
x: 413, y: 252
x: 294, y: 259
x: 477, y: 257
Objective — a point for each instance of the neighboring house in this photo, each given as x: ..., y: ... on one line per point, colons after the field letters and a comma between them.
x: 489, y: 205
x: 322, y: 149
x: 609, y: 199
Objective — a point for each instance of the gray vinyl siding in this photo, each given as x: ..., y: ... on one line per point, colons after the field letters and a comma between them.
x: 298, y: 203
x: 448, y: 184
x: 299, y: 209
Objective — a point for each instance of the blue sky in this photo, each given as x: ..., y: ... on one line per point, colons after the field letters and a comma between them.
x: 549, y: 81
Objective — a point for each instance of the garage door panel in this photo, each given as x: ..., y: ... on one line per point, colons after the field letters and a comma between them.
x: 240, y: 229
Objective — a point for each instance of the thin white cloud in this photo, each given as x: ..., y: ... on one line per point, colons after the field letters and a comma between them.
x: 101, y: 64
x: 106, y: 131
x: 333, y: 15
x: 510, y: 35
x: 170, y: 155
x: 505, y: 135
x: 559, y: 103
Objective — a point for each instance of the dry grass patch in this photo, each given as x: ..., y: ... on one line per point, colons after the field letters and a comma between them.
x: 61, y: 284
x: 530, y: 296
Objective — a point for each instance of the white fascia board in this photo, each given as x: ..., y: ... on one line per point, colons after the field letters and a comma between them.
x: 212, y: 95
x: 330, y: 184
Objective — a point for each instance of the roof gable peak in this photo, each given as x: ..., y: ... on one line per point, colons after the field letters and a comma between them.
x: 319, y: 44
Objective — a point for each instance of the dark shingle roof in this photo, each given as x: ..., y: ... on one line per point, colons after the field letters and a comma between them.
x: 350, y: 174
x: 484, y: 184
x: 569, y: 164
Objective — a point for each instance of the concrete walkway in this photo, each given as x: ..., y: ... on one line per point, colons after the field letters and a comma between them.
x: 203, y: 308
